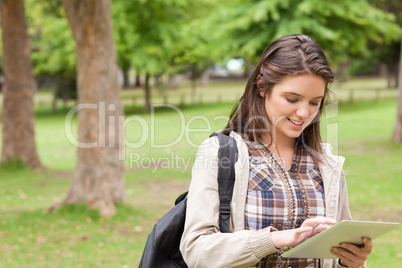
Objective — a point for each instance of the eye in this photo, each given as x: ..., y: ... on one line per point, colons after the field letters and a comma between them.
x: 315, y: 103
x: 291, y: 100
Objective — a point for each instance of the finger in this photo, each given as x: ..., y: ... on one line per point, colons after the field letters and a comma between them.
x: 346, y: 254
x: 347, y: 257
x: 323, y: 220
x: 368, y: 244
x: 314, y: 222
x: 322, y: 227
x: 345, y: 262
x: 359, y: 251
x: 303, y: 230
x: 335, y: 251
x: 352, y: 253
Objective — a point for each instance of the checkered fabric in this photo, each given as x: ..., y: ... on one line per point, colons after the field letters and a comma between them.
x: 282, y: 198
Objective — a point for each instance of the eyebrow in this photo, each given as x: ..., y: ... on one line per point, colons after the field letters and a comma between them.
x: 296, y: 94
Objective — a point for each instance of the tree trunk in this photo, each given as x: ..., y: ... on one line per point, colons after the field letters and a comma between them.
x: 126, y: 79
x: 99, y: 174
x: 193, y: 89
x: 398, y: 124
x: 392, y: 72
x: 66, y: 89
x: 173, y: 82
x: 18, y: 116
x: 147, y: 89
x: 389, y: 76
x: 398, y: 79
x: 193, y: 81
x: 54, y: 101
x: 137, y: 79
x: 158, y: 81
x: 205, y: 78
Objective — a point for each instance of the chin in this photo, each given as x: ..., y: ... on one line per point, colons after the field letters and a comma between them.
x: 294, y: 135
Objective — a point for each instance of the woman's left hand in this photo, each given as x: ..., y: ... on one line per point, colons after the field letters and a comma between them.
x: 351, y: 255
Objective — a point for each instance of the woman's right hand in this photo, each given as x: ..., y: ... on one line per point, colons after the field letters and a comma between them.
x: 309, y: 228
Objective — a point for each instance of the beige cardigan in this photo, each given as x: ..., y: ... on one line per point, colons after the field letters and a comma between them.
x: 202, y: 245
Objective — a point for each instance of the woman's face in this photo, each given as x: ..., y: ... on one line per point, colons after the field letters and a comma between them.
x: 293, y: 104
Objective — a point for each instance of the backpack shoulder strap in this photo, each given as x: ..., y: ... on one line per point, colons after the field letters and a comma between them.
x: 228, y: 154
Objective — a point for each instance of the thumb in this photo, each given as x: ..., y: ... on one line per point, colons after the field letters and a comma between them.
x: 303, y: 230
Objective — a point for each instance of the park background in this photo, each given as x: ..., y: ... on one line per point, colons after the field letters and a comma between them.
x: 175, y: 68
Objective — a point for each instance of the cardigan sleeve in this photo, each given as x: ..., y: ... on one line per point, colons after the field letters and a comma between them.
x: 343, y: 207
x: 202, y: 244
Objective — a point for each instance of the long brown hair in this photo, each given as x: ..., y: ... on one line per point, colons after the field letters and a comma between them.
x: 290, y: 55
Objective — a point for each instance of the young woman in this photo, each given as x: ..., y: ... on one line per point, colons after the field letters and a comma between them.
x: 289, y: 186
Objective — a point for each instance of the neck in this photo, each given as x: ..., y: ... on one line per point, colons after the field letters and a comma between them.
x: 283, y: 149
x: 281, y: 142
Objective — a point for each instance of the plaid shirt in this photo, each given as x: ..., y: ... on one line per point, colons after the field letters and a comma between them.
x: 282, y: 199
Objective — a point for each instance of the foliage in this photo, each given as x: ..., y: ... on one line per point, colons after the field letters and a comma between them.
x: 125, y: 35
x: 67, y: 88
x: 387, y: 53
x: 159, y: 36
x: 392, y: 6
x: 151, y: 34
x: 199, y: 45
x: 52, y: 43
x: 342, y: 27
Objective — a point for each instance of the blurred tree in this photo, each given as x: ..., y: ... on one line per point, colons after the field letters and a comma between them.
x: 397, y: 136
x: 199, y: 47
x: 142, y: 31
x: 392, y: 56
x: 389, y: 53
x: 53, y: 51
x: 18, y: 117
x: 150, y: 35
x: 125, y: 37
x: 342, y: 27
x: 99, y: 174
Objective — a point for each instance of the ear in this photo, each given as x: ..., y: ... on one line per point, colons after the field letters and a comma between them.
x: 262, y: 93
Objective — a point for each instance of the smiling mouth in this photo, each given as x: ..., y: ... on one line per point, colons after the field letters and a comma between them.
x: 295, y: 122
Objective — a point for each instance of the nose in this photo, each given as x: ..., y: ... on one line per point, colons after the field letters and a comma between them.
x: 303, y: 111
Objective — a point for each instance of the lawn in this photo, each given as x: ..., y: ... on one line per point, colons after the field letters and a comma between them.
x: 160, y: 151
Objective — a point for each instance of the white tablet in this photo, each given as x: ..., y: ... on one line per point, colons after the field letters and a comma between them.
x: 320, y: 245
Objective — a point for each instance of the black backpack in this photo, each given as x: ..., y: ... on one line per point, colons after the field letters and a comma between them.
x: 162, y: 247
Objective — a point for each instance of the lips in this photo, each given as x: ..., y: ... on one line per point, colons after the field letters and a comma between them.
x: 297, y: 123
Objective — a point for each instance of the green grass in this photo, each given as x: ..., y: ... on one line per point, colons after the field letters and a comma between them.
x: 373, y: 171
x: 75, y: 236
